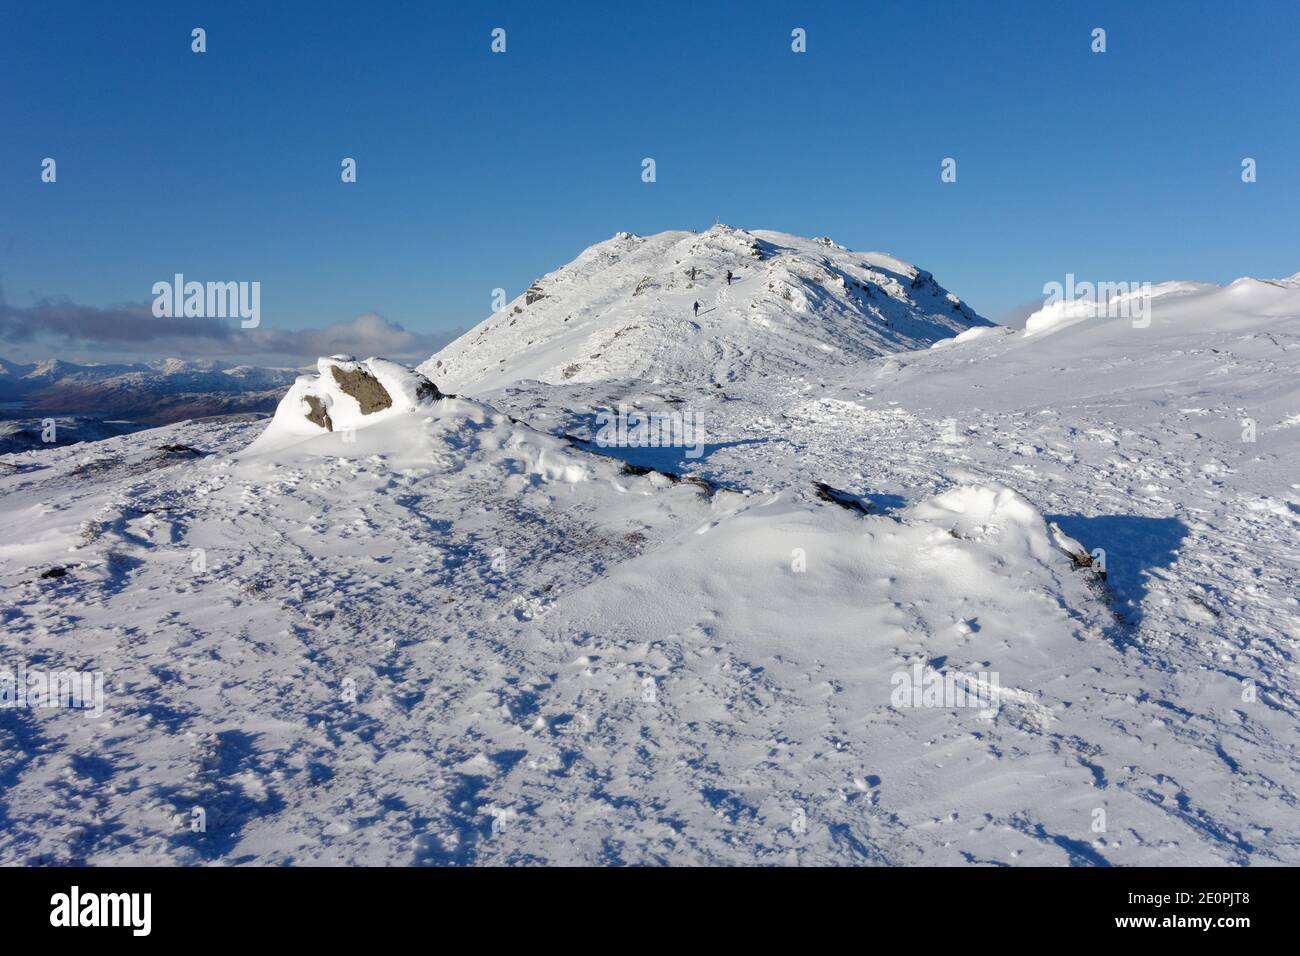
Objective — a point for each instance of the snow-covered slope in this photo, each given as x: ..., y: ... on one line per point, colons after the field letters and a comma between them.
x: 867, y: 624
x: 624, y: 309
x: 1173, y: 448
x: 445, y: 609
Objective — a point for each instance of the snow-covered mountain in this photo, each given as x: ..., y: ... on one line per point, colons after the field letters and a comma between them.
x: 624, y: 309
x: 159, y: 392
x: 1023, y: 598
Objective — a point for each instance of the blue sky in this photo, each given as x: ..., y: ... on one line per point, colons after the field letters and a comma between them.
x: 478, y: 170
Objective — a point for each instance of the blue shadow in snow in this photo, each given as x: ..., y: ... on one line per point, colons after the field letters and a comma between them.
x: 885, y: 501
x: 671, y: 459
x: 1133, y: 545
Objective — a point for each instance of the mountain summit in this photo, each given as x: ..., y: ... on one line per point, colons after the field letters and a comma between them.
x: 625, y: 308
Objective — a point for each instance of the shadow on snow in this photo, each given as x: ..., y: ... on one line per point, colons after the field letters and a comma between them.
x: 1134, y: 545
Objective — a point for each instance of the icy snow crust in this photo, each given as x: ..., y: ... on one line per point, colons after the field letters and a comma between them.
x: 446, y: 634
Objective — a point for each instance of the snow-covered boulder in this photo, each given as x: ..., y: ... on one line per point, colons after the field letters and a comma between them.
x: 346, y: 395
x: 1005, y: 526
x: 995, y: 515
x: 358, y: 409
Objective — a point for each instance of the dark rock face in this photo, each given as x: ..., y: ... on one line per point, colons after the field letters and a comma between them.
x: 842, y: 498
x: 534, y: 293
x: 370, y: 394
x: 365, y: 388
x: 318, y: 416
x: 426, y: 390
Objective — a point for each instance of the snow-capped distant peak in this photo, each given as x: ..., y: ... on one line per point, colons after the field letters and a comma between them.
x: 717, y: 305
x: 172, y: 365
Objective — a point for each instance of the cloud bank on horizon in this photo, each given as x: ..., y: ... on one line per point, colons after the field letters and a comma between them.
x: 130, y: 330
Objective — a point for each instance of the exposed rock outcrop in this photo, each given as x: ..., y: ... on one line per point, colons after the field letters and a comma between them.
x: 346, y: 395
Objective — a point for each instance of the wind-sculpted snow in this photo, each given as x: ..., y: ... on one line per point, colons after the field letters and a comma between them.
x: 625, y: 309
x: 346, y: 395
x: 1024, y: 599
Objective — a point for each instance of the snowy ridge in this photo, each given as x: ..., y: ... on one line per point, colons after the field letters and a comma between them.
x: 624, y: 309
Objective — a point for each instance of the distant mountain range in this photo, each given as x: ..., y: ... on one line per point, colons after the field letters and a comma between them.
x: 152, y: 393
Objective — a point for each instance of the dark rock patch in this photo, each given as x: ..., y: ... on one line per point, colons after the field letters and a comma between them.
x: 673, y: 478
x: 842, y: 498
x: 426, y: 390
x: 365, y: 388
x: 318, y: 416
x: 178, y: 449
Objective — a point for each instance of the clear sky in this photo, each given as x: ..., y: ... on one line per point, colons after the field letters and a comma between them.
x: 479, y: 170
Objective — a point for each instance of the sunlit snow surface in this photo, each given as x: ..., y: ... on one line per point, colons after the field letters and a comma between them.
x: 556, y: 660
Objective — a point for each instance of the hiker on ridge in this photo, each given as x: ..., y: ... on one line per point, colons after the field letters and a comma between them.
x: 697, y: 310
